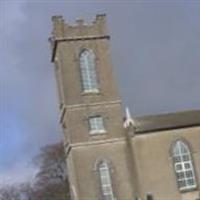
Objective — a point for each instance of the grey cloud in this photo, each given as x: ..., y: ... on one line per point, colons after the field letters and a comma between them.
x: 155, y: 53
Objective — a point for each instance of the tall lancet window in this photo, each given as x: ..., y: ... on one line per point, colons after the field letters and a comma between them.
x: 183, y: 166
x: 106, y: 183
x: 88, y: 71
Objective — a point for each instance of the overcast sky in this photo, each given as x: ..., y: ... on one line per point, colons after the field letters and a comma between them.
x: 156, y: 58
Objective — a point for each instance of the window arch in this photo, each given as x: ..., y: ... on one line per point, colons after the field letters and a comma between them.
x: 183, y: 166
x: 105, y: 181
x: 88, y: 71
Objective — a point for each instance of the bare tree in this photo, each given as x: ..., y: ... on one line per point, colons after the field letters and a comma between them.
x: 9, y: 192
x: 26, y: 191
x: 51, y: 180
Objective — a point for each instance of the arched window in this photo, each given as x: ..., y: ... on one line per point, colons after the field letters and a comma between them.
x: 106, y: 183
x: 183, y: 166
x: 88, y: 71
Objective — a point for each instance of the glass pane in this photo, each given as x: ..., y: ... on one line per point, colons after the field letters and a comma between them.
x: 182, y: 183
x: 183, y: 148
x: 105, y: 181
x: 177, y: 159
x: 187, y: 165
x: 190, y: 182
x: 176, y: 150
x: 180, y: 175
x: 189, y: 174
x: 178, y: 167
x: 107, y: 190
x: 186, y: 157
x: 108, y: 197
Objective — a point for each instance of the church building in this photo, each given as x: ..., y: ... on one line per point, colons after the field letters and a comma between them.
x: 109, y: 156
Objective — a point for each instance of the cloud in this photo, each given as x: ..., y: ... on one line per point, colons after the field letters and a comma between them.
x: 18, y: 173
x: 155, y: 53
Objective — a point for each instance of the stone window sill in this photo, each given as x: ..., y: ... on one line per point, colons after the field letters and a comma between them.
x: 90, y: 92
x: 97, y: 132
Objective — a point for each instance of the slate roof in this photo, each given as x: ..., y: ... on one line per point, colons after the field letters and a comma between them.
x: 151, y: 123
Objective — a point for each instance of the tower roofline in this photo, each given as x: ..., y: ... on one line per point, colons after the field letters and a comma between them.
x: 62, y: 28
x: 80, y: 21
x: 80, y: 30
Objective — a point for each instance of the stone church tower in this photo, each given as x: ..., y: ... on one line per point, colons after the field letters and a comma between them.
x: 148, y: 158
x: 91, y: 112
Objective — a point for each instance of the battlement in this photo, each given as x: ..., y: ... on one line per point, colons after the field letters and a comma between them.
x: 80, y: 29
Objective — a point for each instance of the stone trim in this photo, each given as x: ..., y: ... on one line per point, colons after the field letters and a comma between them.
x: 64, y: 108
x: 107, y: 141
x: 65, y: 39
x: 71, y: 107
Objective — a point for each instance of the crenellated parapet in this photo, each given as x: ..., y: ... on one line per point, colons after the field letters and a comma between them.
x: 81, y: 29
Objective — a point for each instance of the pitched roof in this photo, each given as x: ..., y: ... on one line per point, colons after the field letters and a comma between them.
x: 167, y: 121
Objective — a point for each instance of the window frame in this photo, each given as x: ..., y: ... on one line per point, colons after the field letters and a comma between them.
x: 106, y: 169
x: 182, y: 157
x: 88, y: 72
x: 96, y: 125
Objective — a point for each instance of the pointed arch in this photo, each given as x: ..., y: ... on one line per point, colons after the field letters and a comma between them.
x: 183, y: 166
x: 88, y: 70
